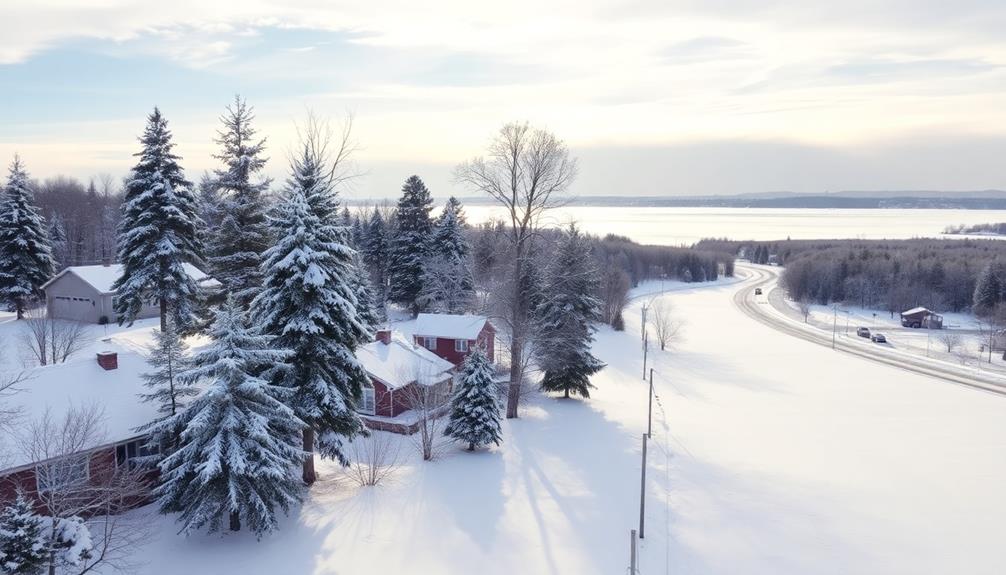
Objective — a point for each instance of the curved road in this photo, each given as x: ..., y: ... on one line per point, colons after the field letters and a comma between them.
x: 757, y: 308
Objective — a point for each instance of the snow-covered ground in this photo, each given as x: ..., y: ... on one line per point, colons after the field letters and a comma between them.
x: 769, y: 455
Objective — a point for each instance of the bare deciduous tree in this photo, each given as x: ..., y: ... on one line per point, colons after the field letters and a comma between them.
x: 79, y: 486
x: 526, y: 170
x: 372, y: 458
x: 950, y: 339
x: 429, y: 403
x: 49, y: 340
x: 666, y: 327
x: 804, y: 305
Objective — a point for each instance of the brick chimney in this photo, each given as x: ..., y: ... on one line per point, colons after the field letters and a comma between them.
x: 108, y: 360
x: 384, y: 336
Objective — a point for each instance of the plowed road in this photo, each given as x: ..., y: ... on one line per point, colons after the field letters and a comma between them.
x: 759, y: 308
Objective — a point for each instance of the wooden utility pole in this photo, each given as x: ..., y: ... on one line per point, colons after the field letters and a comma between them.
x: 642, y: 491
x: 642, y: 324
x: 649, y: 413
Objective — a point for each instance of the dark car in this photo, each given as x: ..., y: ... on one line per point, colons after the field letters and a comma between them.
x: 863, y: 332
x: 757, y: 291
x: 878, y: 338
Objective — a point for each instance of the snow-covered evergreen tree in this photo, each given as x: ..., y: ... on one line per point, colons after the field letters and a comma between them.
x: 23, y: 549
x: 25, y: 253
x: 58, y: 241
x: 158, y: 233
x: 375, y: 255
x: 988, y: 288
x: 308, y: 305
x: 475, y: 410
x: 411, y: 244
x: 243, y: 234
x: 448, y: 233
x: 565, y: 319
x: 448, y: 285
x: 169, y: 358
x: 239, y: 442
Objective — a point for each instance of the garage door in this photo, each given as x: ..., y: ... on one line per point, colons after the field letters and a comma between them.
x: 75, y: 308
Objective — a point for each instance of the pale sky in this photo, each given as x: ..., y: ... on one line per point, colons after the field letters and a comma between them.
x: 655, y: 97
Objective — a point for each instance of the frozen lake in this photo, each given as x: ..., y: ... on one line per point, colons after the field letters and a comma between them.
x: 675, y: 226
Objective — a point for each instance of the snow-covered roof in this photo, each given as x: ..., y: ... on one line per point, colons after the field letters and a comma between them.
x: 102, y: 277
x: 450, y: 326
x: 916, y: 310
x: 399, y: 363
x: 82, y: 383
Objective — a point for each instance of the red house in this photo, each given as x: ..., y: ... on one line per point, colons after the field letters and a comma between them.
x: 109, y: 381
x: 401, y: 374
x: 453, y: 337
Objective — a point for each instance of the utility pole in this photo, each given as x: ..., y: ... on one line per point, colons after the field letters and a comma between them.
x: 632, y: 552
x: 834, y: 327
x: 649, y: 413
x: 642, y: 491
x: 646, y: 348
x: 642, y: 323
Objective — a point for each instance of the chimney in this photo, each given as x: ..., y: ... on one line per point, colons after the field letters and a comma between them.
x: 384, y: 336
x: 108, y: 360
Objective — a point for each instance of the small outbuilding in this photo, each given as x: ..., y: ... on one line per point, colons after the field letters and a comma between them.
x: 84, y: 293
x: 921, y: 317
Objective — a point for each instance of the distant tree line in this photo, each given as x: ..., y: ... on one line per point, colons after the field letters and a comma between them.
x: 998, y: 229
x: 893, y: 275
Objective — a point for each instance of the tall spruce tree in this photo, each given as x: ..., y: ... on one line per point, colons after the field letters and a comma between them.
x: 58, y: 241
x: 988, y: 288
x: 239, y: 442
x: 565, y: 319
x: 169, y: 358
x: 158, y: 234
x: 23, y: 548
x: 448, y: 284
x: 25, y: 253
x: 308, y: 305
x: 375, y: 255
x: 475, y: 410
x: 243, y: 233
x: 411, y: 244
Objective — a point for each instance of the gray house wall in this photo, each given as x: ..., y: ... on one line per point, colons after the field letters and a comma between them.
x: 69, y: 297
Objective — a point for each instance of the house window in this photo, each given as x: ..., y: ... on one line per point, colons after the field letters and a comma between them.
x: 429, y: 342
x: 461, y: 345
x: 131, y: 452
x: 369, y: 403
x: 63, y: 472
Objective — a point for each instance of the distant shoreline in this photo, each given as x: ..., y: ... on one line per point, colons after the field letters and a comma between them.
x: 983, y: 200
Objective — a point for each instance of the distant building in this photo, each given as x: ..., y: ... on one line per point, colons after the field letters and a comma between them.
x: 84, y: 293
x: 921, y: 317
x: 453, y: 337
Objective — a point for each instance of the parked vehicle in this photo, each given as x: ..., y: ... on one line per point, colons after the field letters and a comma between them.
x: 863, y: 332
x: 757, y: 291
x: 878, y: 338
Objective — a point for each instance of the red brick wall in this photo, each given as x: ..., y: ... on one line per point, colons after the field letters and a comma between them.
x: 445, y: 346
x: 382, y: 399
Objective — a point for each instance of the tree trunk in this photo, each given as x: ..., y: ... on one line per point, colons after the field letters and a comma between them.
x: 517, y: 334
x: 471, y: 446
x: 164, y: 314
x: 235, y: 521
x: 567, y: 393
x: 309, y: 475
